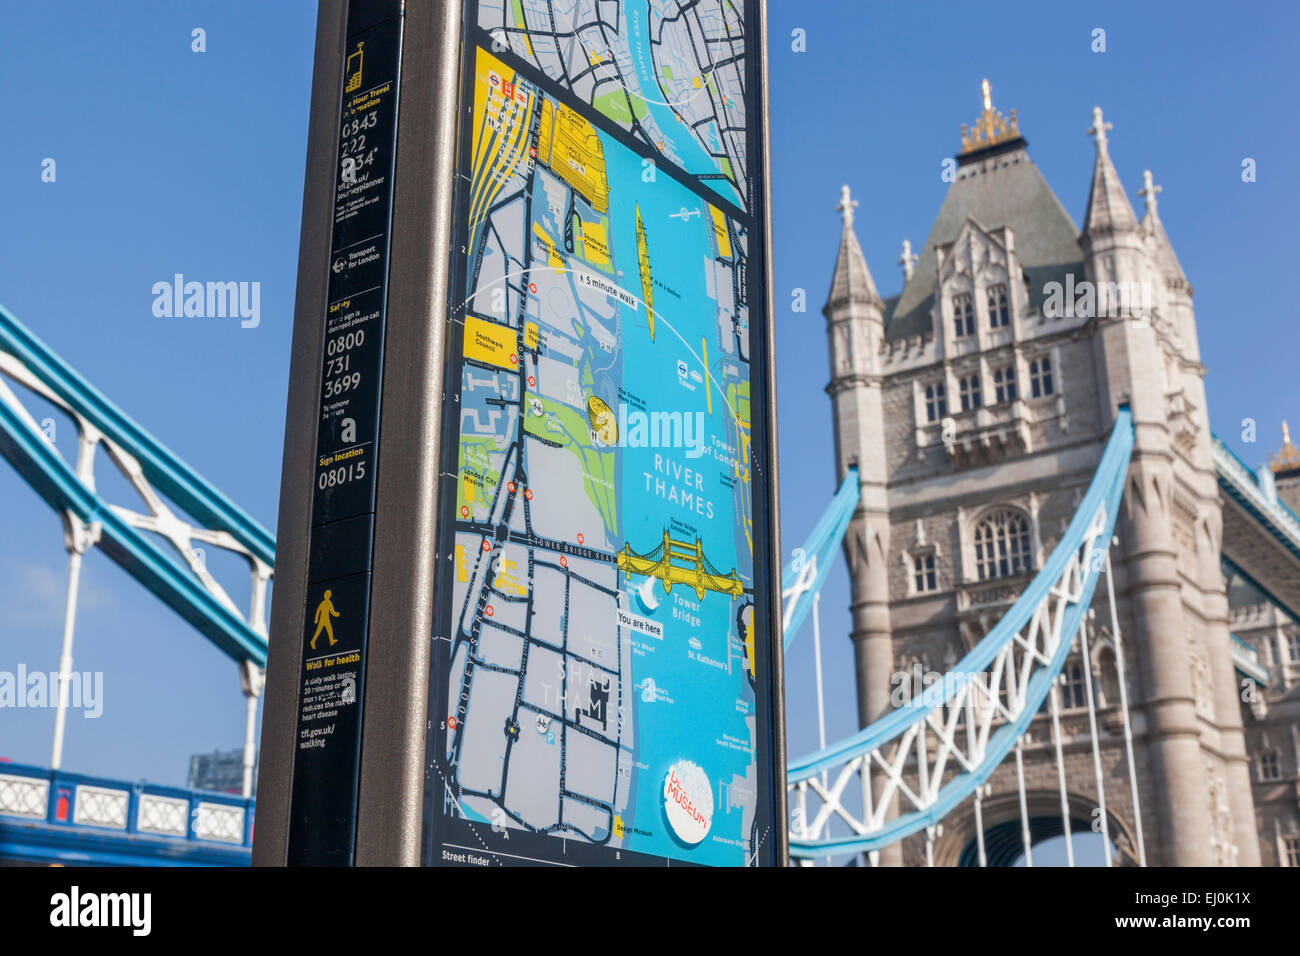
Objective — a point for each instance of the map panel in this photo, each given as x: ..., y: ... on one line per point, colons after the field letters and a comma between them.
x: 670, y: 73
x: 596, y: 686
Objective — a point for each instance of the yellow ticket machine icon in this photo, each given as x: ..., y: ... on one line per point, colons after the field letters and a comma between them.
x: 353, y: 70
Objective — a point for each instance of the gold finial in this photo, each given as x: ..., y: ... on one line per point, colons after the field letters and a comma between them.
x: 1288, y: 459
x: 991, y: 128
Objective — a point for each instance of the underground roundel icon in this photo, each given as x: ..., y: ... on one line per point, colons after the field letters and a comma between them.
x: 688, y: 802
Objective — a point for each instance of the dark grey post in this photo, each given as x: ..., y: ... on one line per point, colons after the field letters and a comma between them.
x: 279, y: 714
x: 395, y: 679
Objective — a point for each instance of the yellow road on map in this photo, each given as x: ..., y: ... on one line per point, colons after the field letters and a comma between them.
x: 721, y: 236
x: 749, y: 642
x: 501, y: 121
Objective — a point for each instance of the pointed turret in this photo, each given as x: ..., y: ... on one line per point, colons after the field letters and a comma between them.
x: 1177, y: 291
x: 855, y: 329
x: 1162, y: 253
x: 852, y: 280
x: 855, y: 315
x: 1108, y: 206
x: 1115, y: 250
x: 1135, y: 326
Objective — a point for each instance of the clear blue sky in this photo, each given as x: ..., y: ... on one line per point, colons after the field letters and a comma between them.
x: 171, y: 161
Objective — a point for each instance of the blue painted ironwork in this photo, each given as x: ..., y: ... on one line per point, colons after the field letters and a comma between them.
x: 50, y: 816
x: 1069, y: 577
x: 815, y: 558
x: 1245, y: 660
x: 1254, y: 491
x: 45, y: 470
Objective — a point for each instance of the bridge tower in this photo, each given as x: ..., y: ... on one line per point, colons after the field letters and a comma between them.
x: 855, y: 330
x: 976, y: 404
x: 1146, y: 353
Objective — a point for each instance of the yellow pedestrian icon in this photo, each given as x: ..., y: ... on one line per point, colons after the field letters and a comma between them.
x: 324, y: 611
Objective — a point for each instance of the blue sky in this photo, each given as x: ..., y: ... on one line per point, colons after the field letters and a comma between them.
x: 172, y: 161
x: 167, y: 161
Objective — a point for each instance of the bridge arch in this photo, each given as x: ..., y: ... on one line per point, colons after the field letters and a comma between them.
x: 1003, y: 840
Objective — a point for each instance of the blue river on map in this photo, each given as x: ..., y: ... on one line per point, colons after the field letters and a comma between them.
x: 707, y: 701
x: 694, y: 157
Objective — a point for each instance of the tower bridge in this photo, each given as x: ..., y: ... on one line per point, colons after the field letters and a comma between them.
x: 680, y: 562
x: 973, y: 418
x: 1138, y: 675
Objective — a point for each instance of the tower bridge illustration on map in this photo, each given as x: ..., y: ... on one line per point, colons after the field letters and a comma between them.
x: 680, y: 562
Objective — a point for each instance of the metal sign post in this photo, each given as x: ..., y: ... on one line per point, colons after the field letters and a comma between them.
x: 535, y: 263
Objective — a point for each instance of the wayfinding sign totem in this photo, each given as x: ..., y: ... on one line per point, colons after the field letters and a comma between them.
x: 602, y: 676
x: 332, y: 678
x: 535, y: 618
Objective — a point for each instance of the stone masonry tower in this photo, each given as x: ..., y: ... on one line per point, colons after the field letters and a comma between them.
x: 1146, y: 353
x: 976, y: 404
x: 856, y: 330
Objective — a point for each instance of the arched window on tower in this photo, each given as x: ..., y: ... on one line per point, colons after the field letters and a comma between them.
x: 968, y: 387
x: 1002, y: 545
x: 963, y: 312
x: 1107, y: 673
x: 1268, y: 766
x: 1040, y: 376
x: 924, y: 580
x: 1004, y: 384
x: 999, y: 308
x: 1072, y: 687
x: 1291, y: 850
x: 936, y: 402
